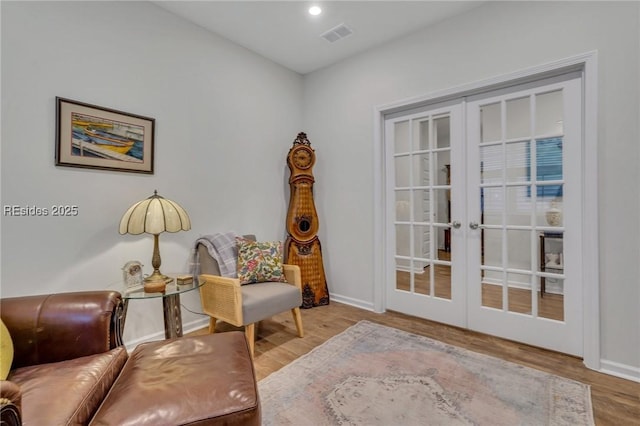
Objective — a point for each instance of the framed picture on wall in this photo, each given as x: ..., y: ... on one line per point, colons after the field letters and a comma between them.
x: 95, y: 137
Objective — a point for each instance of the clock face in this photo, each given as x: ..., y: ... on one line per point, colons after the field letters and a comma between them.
x: 304, y: 224
x: 302, y: 158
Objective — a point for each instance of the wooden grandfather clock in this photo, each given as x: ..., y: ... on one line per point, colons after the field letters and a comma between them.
x: 302, y: 245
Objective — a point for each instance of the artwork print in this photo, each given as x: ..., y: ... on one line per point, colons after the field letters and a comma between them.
x: 94, y: 137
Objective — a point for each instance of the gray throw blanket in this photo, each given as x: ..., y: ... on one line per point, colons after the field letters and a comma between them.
x: 222, y: 247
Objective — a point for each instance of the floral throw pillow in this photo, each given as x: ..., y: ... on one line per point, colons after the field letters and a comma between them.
x: 259, y: 262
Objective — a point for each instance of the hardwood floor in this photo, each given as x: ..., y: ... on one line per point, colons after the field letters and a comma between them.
x: 616, y: 401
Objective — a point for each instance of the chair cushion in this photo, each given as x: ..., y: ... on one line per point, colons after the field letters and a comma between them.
x: 264, y: 300
x: 67, y: 392
x: 259, y: 261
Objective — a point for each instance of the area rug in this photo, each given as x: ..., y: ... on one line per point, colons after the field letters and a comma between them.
x: 376, y: 375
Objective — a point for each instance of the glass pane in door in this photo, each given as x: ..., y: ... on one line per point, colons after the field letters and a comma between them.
x: 491, y: 164
x: 491, y: 293
x: 517, y: 161
x: 549, y: 209
x: 490, y: 122
x: 519, y: 293
x: 549, y: 114
x: 421, y: 134
x: 442, y: 132
x: 401, y: 137
x: 551, y: 268
x: 402, y: 164
x: 403, y: 202
x: 421, y: 264
x: 403, y: 259
x: 518, y: 123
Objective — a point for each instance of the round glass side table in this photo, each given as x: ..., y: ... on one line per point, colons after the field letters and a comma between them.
x: 170, y: 303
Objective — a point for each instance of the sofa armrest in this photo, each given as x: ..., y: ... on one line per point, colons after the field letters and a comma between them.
x: 10, y: 403
x: 58, y: 327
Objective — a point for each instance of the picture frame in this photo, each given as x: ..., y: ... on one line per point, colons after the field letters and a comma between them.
x: 90, y: 136
x: 132, y: 274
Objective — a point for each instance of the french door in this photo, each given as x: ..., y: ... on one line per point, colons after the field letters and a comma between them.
x: 421, y: 275
x: 484, y: 213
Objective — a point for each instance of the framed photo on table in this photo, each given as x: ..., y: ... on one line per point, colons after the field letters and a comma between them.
x: 94, y: 137
x: 132, y: 274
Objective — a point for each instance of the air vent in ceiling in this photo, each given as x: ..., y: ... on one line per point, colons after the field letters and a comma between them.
x: 336, y: 33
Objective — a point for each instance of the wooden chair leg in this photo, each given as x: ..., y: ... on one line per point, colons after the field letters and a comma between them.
x: 297, y: 317
x: 249, y: 332
x: 212, y: 325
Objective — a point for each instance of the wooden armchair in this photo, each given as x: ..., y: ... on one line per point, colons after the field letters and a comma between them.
x: 245, y: 305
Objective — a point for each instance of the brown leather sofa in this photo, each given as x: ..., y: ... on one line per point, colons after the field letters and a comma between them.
x: 70, y: 368
x: 67, y: 354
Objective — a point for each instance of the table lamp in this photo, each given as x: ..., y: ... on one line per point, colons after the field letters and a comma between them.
x: 155, y: 215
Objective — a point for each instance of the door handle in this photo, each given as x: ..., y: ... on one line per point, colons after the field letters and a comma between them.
x: 473, y: 225
x: 455, y: 224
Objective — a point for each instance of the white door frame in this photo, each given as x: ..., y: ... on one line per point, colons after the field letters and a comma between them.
x: 586, y: 64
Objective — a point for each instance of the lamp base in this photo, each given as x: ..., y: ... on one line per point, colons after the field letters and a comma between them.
x: 158, y: 276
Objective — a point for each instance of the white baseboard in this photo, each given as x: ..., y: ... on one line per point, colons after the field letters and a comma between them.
x: 186, y: 328
x: 620, y: 370
x: 131, y: 345
x: 195, y: 325
x: 353, y: 302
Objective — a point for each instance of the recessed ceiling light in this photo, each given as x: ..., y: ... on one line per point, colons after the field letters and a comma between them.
x: 315, y: 10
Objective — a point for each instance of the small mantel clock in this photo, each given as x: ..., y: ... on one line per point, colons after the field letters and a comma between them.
x: 303, y: 245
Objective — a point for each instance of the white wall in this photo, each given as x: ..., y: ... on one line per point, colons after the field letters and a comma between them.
x: 491, y: 40
x: 225, y: 119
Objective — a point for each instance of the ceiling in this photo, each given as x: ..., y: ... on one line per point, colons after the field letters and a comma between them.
x: 286, y: 33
